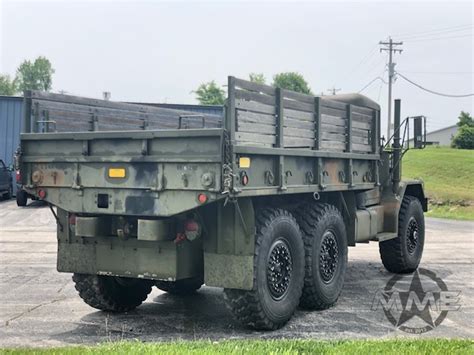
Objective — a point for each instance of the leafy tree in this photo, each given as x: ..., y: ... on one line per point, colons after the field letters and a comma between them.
x: 210, y: 94
x: 465, y: 119
x: 35, y: 75
x: 258, y: 78
x: 7, y: 86
x: 464, y: 139
x: 291, y: 81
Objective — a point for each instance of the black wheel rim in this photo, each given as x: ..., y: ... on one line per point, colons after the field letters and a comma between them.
x: 279, y: 269
x: 412, y: 235
x: 328, y: 257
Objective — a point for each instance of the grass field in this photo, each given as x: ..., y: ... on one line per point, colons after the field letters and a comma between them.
x: 399, y: 347
x: 449, y: 179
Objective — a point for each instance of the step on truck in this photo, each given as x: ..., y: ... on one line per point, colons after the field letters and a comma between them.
x: 262, y: 201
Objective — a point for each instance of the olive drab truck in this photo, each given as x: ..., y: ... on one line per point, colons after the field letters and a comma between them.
x: 263, y: 201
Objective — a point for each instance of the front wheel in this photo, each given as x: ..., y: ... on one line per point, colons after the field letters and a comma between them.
x: 278, y: 273
x: 403, y: 254
x: 109, y: 293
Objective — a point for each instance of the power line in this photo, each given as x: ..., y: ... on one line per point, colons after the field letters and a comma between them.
x: 371, y: 82
x: 436, y: 38
x: 439, y: 33
x: 371, y: 52
x: 431, y: 91
x: 408, y: 34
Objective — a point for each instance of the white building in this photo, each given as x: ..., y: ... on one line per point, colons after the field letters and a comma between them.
x: 441, y: 136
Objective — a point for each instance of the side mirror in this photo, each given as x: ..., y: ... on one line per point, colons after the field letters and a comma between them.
x: 11, y: 168
x: 419, y: 134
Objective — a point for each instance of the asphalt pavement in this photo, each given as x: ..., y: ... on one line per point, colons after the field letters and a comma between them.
x: 40, y: 307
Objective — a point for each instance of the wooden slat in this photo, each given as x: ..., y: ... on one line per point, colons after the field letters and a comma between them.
x: 360, y: 132
x: 333, y: 112
x: 254, y: 96
x: 331, y: 145
x: 296, y: 132
x: 247, y: 116
x: 256, y: 87
x: 298, y: 105
x: 360, y: 140
x: 363, y: 110
x: 330, y: 128
x: 361, y: 118
x: 336, y: 137
x: 361, y: 125
x: 290, y: 122
x: 336, y: 121
x: 255, y: 106
x: 309, y: 99
x: 365, y: 148
x: 292, y: 142
x: 255, y: 138
x: 332, y: 104
x: 256, y: 127
x: 301, y: 115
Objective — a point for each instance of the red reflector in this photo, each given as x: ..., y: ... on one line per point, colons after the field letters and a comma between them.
x: 18, y: 176
x: 245, y: 180
x: 72, y: 219
x: 191, y: 226
x: 202, y: 198
x: 41, y: 194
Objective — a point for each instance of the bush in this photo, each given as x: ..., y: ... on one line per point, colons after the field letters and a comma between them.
x: 464, y: 139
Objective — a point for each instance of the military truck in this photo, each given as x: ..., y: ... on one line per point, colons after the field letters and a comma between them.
x: 263, y: 202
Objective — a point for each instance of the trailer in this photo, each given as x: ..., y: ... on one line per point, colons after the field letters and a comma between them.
x: 263, y: 201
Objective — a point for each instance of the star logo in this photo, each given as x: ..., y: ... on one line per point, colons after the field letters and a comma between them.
x: 416, y: 306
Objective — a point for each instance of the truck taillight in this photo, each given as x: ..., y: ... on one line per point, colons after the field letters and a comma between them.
x: 18, y: 176
x: 192, y: 229
x: 42, y: 194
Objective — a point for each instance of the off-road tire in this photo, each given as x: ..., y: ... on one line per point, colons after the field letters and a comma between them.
x: 399, y: 255
x: 316, y: 221
x: 112, y: 294
x: 181, y: 287
x: 21, y: 198
x: 277, y: 233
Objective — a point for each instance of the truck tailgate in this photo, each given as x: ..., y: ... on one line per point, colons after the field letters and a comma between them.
x: 156, y: 173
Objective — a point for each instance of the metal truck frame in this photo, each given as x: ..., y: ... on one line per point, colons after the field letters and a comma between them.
x: 263, y: 202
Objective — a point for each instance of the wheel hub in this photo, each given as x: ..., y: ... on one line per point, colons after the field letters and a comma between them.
x: 279, y: 269
x: 412, y: 235
x: 328, y: 257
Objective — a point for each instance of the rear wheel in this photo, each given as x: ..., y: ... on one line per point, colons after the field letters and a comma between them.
x: 21, y: 198
x: 325, y: 240
x: 109, y: 293
x: 403, y: 254
x: 180, y: 287
x: 278, y: 273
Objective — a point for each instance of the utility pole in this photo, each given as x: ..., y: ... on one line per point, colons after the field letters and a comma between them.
x: 333, y: 90
x: 390, y: 47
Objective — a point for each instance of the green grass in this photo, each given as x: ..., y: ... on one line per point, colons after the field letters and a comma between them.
x: 449, y: 179
x: 431, y: 346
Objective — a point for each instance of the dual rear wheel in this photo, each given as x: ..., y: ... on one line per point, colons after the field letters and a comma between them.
x: 300, y: 259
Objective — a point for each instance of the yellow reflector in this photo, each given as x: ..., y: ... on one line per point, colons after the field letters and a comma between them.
x: 244, y: 162
x: 116, y: 172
